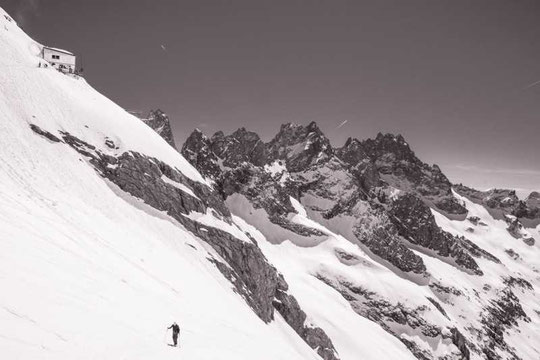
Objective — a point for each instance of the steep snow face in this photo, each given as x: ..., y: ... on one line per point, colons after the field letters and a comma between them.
x: 88, y: 271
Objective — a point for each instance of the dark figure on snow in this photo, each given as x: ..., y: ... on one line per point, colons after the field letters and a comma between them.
x: 175, y: 331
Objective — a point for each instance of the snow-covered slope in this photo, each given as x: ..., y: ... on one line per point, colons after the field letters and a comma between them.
x: 86, y: 270
x: 57, y: 102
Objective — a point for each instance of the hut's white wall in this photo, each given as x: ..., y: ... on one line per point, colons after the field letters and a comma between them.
x: 64, y: 59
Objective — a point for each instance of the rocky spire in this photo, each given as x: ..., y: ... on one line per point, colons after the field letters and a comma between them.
x: 198, y: 151
x: 159, y: 121
x: 241, y: 146
x: 389, y: 144
x: 300, y: 146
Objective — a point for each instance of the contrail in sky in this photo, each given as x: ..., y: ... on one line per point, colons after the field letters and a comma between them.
x: 342, y: 124
x: 531, y: 85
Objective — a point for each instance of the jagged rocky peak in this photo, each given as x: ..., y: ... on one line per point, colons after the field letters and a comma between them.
x: 241, y: 146
x: 389, y: 144
x: 360, y: 164
x: 400, y: 168
x: 352, y: 152
x: 387, y: 159
x: 198, y: 151
x: 292, y: 133
x: 197, y: 136
x: 159, y: 121
x: 300, y: 146
x: 533, y: 200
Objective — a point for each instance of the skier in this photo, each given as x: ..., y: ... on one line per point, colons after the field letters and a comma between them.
x: 175, y: 331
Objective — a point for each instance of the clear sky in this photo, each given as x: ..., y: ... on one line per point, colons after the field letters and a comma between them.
x: 456, y: 78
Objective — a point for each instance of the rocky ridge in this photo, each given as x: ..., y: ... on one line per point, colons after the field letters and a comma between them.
x: 504, y: 204
x: 358, y: 179
x: 382, y: 193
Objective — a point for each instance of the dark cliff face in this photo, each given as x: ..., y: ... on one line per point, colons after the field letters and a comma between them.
x: 198, y: 151
x: 416, y: 223
x: 385, y: 144
x: 159, y: 122
x: 239, y: 147
x: 361, y: 165
x: 400, y: 167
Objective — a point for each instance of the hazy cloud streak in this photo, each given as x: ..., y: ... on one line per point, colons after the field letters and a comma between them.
x: 531, y: 85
